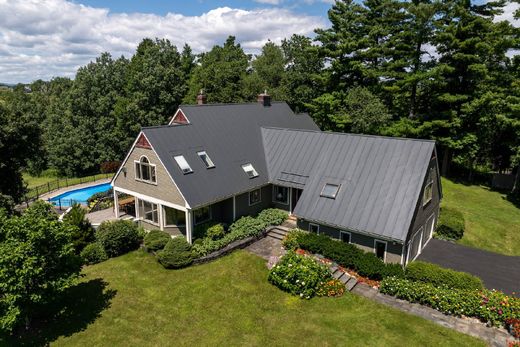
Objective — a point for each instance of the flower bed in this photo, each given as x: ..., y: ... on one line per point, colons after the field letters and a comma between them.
x: 243, y: 228
x: 304, y: 276
x: 489, y: 306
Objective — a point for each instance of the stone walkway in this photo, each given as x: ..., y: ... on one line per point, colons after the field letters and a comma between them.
x: 493, y: 336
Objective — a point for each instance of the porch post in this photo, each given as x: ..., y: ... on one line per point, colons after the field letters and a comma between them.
x: 290, y: 201
x: 116, y: 204
x: 161, y: 216
x: 189, y: 225
x: 137, y: 212
x: 234, y: 208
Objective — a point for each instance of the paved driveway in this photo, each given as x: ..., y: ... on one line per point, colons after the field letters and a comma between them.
x: 497, y: 271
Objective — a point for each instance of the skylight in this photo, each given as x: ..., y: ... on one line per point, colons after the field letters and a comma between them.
x: 206, y: 159
x: 183, y: 164
x: 249, y: 170
x: 330, y: 190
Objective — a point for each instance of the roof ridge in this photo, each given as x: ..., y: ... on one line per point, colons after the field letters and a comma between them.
x: 231, y: 104
x: 350, y: 134
x: 165, y: 126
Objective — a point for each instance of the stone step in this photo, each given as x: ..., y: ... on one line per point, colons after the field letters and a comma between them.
x: 351, y: 283
x: 275, y: 236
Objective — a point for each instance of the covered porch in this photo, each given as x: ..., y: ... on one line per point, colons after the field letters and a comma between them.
x: 152, y: 213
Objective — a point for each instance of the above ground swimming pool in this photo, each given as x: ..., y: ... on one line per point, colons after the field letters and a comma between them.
x: 79, y: 196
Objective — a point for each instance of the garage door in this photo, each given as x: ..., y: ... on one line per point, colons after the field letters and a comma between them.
x: 415, y: 246
x: 428, y: 231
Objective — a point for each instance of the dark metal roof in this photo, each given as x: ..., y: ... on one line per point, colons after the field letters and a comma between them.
x: 231, y: 136
x: 380, y: 178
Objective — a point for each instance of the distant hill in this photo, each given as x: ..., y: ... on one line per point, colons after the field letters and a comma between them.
x: 7, y: 85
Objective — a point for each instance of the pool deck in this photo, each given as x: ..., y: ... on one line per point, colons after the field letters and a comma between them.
x: 52, y: 194
x: 108, y: 214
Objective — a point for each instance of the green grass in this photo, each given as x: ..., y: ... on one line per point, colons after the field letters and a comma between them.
x: 133, y: 301
x: 491, y: 221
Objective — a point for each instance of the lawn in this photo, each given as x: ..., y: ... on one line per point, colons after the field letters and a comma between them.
x: 133, y: 301
x: 492, y: 222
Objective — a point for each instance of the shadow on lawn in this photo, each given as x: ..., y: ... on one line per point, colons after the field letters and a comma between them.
x: 79, y: 306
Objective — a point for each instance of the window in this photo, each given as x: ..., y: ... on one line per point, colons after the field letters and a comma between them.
x: 206, y: 159
x: 202, y: 214
x: 330, y: 190
x: 144, y: 171
x: 344, y: 236
x: 183, y: 164
x: 255, y: 196
x: 149, y: 211
x: 314, y: 228
x: 380, y: 249
x: 250, y: 170
x: 173, y: 217
x: 428, y: 188
x: 281, y: 195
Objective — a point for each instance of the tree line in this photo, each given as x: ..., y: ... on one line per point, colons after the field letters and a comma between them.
x: 444, y: 70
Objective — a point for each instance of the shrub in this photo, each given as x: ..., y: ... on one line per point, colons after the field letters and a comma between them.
x: 155, y: 240
x: 118, y: 237
x: 93, y: 253
x: 451, y: 224
x: 348, y: 256
x: 299, y: 275
x: 200, y: 230
x: 290, y: 241
x: 84, y: 233
x: 216, y: 232
x: 242, y: 228
x: 487, y: 305
x: 176, y: 254
x: 436, y: 275
x: 272, y: 216
x: 99, y: 195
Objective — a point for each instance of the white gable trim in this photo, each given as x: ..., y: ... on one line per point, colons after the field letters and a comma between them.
x: 175, y: 115
x: 153, y: 149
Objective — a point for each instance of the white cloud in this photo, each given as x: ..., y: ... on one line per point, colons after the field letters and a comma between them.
x: 42, y: 39
x: 269, y: 2
x: 508, y: 13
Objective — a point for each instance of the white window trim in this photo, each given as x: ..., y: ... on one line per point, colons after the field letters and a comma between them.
x: 200, y: 154
x: 172, y: 225
x: 316, y: 225
x: 204, y: 221
x: 179, y: 165
x: 149, y: 164
x: 142, y: 218
x: 428, y: 183
x: 341, y: 232
x: 255, y: 173
x: 274, y: 195
x: 249, y: 197
x: 386, y: 248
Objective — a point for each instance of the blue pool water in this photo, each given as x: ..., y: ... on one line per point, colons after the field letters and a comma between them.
x: 79, y: 195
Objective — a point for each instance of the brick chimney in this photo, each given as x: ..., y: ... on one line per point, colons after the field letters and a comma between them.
x: 264, y: 99
x: 201, y: 98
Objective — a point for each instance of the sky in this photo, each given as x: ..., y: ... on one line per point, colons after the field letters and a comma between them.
x: 42, y: 39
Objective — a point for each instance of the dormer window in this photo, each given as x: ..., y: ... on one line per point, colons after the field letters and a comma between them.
x: 206, y: 159
x: 250, y: 170
x: 330, y: 190
x: 183, y: 164
x: 144, y: 171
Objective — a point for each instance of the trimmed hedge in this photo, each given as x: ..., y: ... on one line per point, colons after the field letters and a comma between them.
x: 216, y: 232
x: 93, y: 253
x: 436, y: 275
x: 155, y: 240
x: 451, y: 224
x: 118, y: 237
x: 487, y: 305
x: 347, y: 255
x: 176, y: 254
x: 244, y: 227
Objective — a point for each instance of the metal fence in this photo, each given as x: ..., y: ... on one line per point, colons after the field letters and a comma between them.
x: 36, y: 192
x: 64, y: 204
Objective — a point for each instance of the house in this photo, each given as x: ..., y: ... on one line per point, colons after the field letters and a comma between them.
x: 220, y: 162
